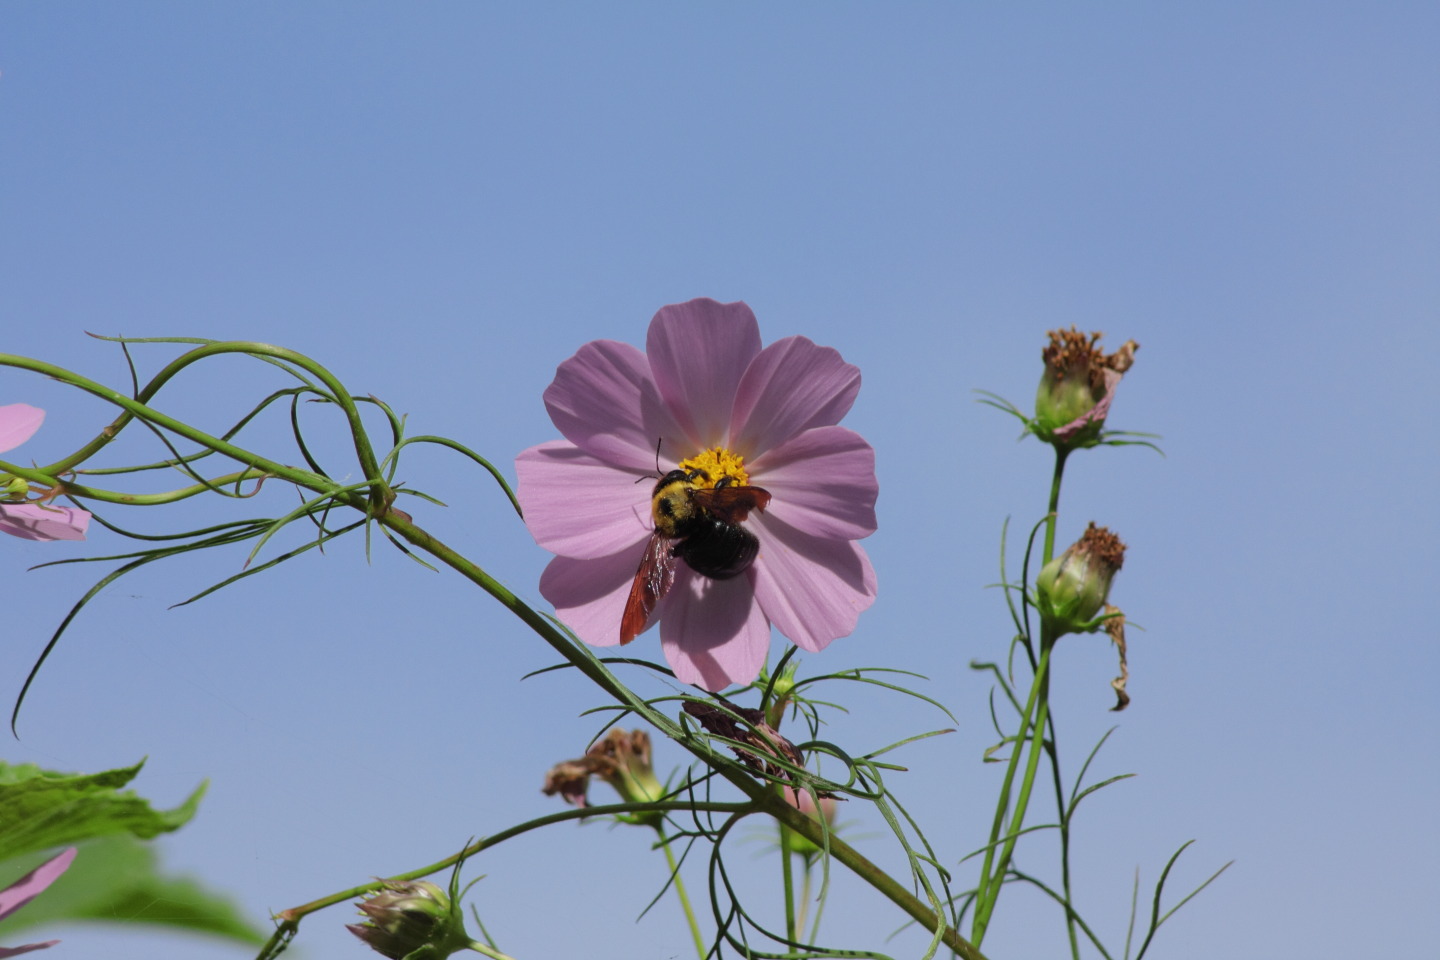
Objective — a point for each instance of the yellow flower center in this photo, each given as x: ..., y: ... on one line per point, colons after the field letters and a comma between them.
x: 715, y: 463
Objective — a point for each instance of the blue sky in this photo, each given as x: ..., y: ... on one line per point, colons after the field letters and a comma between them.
x: 441, y: 202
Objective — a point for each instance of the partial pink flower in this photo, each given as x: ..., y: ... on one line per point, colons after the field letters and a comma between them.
x: 705, y: 388
x: 27, y: 888
x: 32, y: 519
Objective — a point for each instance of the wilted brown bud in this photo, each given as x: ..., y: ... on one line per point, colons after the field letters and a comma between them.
x: 622, y: 760
x: 1115, y: 627
x: 764, y: 741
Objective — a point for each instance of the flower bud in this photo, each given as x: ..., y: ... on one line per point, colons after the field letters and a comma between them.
x: 781, y: 686
x: 1077, y: 387
x: 406, y: 916
x: 804, y: 801
x: 1073, y: 587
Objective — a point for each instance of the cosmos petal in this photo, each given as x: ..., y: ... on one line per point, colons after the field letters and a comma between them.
x: 822, y: 482
x: 18, y: 423
x: 813, y: 589
x: 698, y: 352
x: 712, y: 632
x: 578, y: 506
x: 605, y: 402
x: 589, y: 595
x: 790, y: 387
x: 34, y: 521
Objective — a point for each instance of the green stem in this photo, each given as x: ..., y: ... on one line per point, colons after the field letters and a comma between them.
x: 819, y: 904
x: 1053, y: 513
x: 806, y: 887
x: 762, y: 797
x: 1061, y: 454
x: 679, y: 883
x: 1064, y: 818
x: 1003, y: 834
x: 289, y: 920
x: 137, y: 409
x: 1037, y: 705
x: 72, y: 489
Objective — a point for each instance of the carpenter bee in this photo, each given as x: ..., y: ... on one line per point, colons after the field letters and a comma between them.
x: 700, y: 525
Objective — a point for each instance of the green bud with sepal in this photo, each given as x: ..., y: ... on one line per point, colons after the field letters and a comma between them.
x: 413, y: 919
x: 1072, y: 588
x: 1077, y: 387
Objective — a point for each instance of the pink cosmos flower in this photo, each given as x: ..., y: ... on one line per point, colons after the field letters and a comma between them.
x: 27, y: 888
x: 712, y: 397
x: 32, y: 520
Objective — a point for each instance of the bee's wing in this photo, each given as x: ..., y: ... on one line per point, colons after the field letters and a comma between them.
x: 731, y: 504
x: 652, y: 581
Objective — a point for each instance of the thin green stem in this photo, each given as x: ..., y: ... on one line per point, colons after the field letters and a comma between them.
x: 289, y: 920
x: 137, y: 409
x: 803, y: 910
x: 1064, y: 820
x: 1004, y: 835
x: 819, y: 904
x: 1061, y: 454
x: 679, y: 883
x: 135, y: 499
x: 998, y: 853
x: 1053, y: 513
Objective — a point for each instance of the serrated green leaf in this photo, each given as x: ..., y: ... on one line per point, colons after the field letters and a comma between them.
x: 41, y: 809
x: 115, y: 880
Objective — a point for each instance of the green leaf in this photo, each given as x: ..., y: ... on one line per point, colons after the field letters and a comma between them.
x: 40, y: 809
x: 115, y: 880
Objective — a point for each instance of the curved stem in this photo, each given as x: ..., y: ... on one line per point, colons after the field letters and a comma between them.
x: 134, y: 408
x: 289, y: 920
x: 72, y: 489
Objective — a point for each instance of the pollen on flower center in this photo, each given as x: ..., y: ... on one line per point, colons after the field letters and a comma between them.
x: 715, y: 463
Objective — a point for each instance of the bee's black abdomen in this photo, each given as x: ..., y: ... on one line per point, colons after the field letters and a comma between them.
x: 716, y: 549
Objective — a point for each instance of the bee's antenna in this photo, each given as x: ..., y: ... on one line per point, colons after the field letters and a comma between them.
x: 658, y: 441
